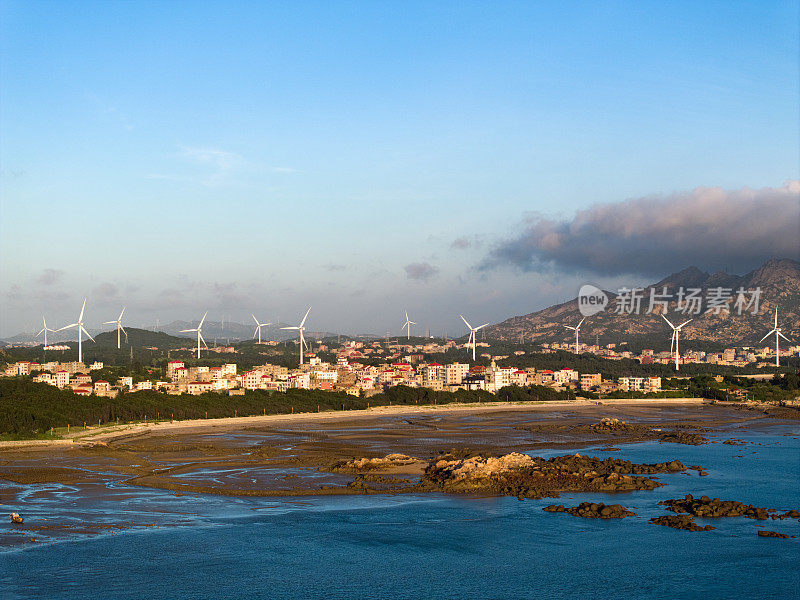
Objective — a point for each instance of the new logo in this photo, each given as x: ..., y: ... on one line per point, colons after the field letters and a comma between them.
x: 591, y: 300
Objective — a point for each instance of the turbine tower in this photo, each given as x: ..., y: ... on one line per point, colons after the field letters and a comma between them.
x: 408, y: 325
x: 44, y: 331
x: 301, y: 328
x: 576, y: 329
x: 674, y: 342
x: 258, y: 328
x: 472, y: 337
x: 199, y: 330
x: 81, y: 329
x: 118, y: 323
x: 777, y: 331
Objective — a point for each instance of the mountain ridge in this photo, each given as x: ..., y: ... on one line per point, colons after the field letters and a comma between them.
x: 778, y: 280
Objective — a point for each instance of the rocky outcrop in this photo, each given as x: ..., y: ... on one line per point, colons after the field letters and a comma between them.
x: 680, y: 522
x: 789, y: 514
x: 773, y: 534
x: 528, y: 477
x: 608, y: 424
x: 373, y: 464
x: 591, y: 510
x: 681, y: 437
x: 707, y: 507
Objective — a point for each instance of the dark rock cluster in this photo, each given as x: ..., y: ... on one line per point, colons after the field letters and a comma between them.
x: 681, y: 437
x: 592, y: 510
x: 772, y: 534
x: 707, y: 507
x: 684, y: 522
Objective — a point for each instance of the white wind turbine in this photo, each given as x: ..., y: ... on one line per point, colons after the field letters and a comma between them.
x: 258, y: 328
x: 118, y: 323
x: 675, y: 341
x: 81, y: 329
x: 301, y: 328
x: 199, y: 330
x: 408, y: 325
x: 576, y: 329
x: 777, y: 331
x: 472, y: 337
x: 44, y: 331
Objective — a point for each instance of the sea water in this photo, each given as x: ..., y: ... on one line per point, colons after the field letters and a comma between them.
x: 433, y: 546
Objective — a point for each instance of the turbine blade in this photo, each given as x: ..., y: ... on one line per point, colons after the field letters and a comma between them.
x: 75, y: 325
x: 87, y: 333
x: 203, y: 340
x: 784, y: 337
x: 684, y: 323
x: 109, y: 322
x: 568, y: 327
x: 672, y: 342
x: 188, y: 330
x: 254, y: 318
x: 465, y: 321
x: 255, y: 333
x: 203, y: 319
x: 580, y: 323
x: 83, y: 308
x: 303, y: 322
x: 481, y: 327
x: 668, y: 321
x: 413, y: 322
x: 122, y: 312
x: 290, y: 328
x: 766, y: 336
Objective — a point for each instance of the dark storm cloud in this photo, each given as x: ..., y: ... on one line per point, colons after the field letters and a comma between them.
x: 708, y: 227
x: 420, y: 271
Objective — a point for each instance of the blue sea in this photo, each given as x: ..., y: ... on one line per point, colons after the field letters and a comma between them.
x: 429, y: 546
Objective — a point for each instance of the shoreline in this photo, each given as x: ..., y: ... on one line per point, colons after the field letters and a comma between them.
x: 94, y: 435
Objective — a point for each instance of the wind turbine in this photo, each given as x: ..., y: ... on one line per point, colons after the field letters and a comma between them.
x: 576, y: 329
x: 44, y: 331
x: 408, y: 325
x: 258, y: 328
x: 118, y: 323
x: 199, y: 330
x: 674, y: 342
x: 777, y: 331
x: 81, y: 329
x: 301, y: 328
x: 472, y: 338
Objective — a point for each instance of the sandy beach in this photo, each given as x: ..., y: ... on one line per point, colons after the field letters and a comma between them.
x: 94, y: 434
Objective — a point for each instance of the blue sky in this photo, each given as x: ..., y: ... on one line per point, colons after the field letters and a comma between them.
x: 258, y: 157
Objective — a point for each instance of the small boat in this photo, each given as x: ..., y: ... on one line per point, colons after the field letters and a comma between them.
x: 15, y: 518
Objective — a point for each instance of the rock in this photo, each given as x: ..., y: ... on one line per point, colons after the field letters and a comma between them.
x: 735, y: 442
x: 706, y: 507
x: 535, y: 477
x: 789, y: 514
x: 772, y: 534
x: 703, y: 473
x: 681, y: 437
x: 366, y: 464
x: 591, y: 510
x: 680, y: 522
